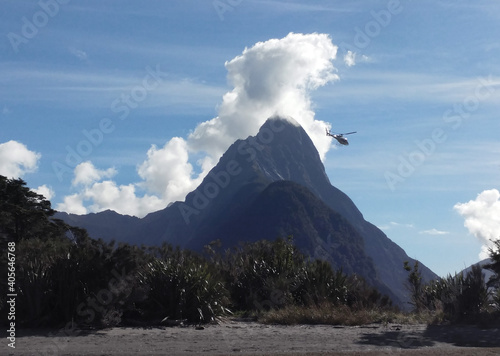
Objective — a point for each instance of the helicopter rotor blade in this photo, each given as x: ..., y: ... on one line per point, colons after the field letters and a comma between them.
x: 350, y: 133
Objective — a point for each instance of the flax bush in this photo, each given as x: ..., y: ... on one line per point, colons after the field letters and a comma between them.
x: 460, y: 297
x: 180, y: 286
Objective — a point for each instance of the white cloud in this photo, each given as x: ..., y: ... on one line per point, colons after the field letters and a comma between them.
x: 16, y: 159
x: 434, y: 232
x: 72, y: 204
x: 96, y: 195
x: 106, y: 195
x: 350, y: 58
x: 394, y: 224
x: 78, y: 53
x: 167, y: 172
x: 271, y: 78
x: 46, y: 191
x: 482, y: 218
x: 121, y: 198
x: 86, y: 174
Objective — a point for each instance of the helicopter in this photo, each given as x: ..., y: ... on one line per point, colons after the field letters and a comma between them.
x: 339, y: 137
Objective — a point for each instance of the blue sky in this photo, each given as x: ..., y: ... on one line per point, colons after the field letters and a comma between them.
x: 129, y: 85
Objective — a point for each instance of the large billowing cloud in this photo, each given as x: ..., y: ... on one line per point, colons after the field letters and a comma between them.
x: 271, y: 78
x: 16, y: 159
x: 482, y: 218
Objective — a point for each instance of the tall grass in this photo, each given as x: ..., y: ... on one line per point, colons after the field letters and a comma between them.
x: 181, y: 285
x: 63, y: 275
x: 331, y: 314
x: 456, y: 298
x: 272, y: 280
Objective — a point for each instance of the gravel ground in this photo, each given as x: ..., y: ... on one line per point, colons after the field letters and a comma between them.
x: 251, y: 338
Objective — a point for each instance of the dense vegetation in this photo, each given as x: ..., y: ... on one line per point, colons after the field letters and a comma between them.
x: 463, y: 297
x: 64, y: 276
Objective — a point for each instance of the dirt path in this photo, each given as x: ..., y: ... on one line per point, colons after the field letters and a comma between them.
x: 250, y: 338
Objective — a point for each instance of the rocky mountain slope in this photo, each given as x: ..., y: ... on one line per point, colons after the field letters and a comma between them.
x: 267, y: 186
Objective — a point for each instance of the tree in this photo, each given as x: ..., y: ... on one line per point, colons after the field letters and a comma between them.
x: 58, y: 266
x: 24, y: 214
x: 415, y: 285
x: 494, y: 266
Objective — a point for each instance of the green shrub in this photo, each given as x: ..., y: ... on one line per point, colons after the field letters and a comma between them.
x: 183, y: 286
x: 363, y: 296
x: 322, y: 284
x: 271, y: 275
x: 460, y: 297
x: 264, y: 275
x: 58, y: 277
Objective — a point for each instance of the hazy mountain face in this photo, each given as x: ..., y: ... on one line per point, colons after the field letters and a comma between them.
x: 238, y: 201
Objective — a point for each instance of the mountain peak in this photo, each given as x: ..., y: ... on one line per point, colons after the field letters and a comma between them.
x: 278, y: 123
x: 285, y: 130
x: 281, y: 150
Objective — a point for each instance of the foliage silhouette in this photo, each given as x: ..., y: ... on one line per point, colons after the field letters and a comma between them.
x: 63, y: 275
x: 458, y: 298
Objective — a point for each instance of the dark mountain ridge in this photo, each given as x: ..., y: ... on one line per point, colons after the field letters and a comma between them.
x: 285, y: 208
x: 238, y: 201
